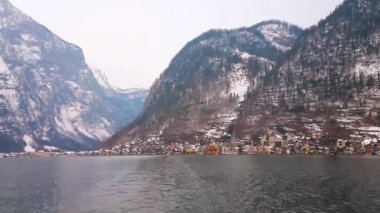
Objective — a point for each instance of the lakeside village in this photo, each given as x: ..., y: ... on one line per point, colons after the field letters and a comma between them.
x: 267, y: 144
x: 277, y: 144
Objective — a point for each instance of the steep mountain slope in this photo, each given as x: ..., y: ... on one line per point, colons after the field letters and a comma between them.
x: 48, y: 94
x: 196, y: 98
x: 329, y: 81
x: 130, y: 101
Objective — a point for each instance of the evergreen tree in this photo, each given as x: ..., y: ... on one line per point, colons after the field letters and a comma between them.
x: 354, y: 80
x: 370, y: 81
x: 361, y: 82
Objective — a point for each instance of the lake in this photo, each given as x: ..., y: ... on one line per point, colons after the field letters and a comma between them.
x: 190, y: 184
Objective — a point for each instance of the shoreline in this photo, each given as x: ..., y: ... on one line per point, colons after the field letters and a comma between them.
x: 57, y: 155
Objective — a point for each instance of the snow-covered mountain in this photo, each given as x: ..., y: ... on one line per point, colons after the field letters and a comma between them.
x: 48, y: 94
x: 267, y: 79
x: 329, y: 83
x: 197, y: 96
x: 130, y: 100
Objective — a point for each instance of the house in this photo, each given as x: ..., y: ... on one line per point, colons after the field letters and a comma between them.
x: 263, y: 141
x: 250, y: 150
x: 275, y: 140
x: 229, y: 150
x: 211, y: 149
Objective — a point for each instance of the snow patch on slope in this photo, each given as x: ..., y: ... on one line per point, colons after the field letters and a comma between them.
x: 65, y: 120
x: 7, y: 83
x: 371, y: 130
x: 101, y: 78
x: 28, y: 38
x: 29, y: 143
x: 70, y: 121
x: 217, y: 130
x: 3, y: 67
x: 51, y: 148
x: 369, y: 67
x: 275, y: 34
x: 30, y: 54
x: 239, y: 82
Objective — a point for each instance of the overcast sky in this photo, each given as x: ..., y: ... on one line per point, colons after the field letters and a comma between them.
x: 133, y: 41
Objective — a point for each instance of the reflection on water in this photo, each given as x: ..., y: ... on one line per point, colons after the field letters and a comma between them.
x: 190, y: 184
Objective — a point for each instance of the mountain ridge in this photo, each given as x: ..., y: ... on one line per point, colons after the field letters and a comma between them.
x: 305, y: 90
x: 49, y: 96
x: 326, y: 79
x: 209, y: 71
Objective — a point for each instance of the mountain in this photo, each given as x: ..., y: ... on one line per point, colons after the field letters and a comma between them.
x: 130, y: 101
x: 328, y: 83
x: 48, y: 94
x: 196, y: 97
x: 270, y: 78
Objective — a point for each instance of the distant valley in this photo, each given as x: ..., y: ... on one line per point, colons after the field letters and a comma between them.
x: 49, y: 97
x: 272, y: 79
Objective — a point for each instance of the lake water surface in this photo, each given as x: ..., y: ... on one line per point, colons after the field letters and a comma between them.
x: 190, y: 184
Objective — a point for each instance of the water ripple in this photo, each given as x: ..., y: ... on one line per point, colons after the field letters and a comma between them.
x: 190, y: 184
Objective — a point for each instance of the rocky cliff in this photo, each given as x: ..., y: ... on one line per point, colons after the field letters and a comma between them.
x: 49, y: 96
